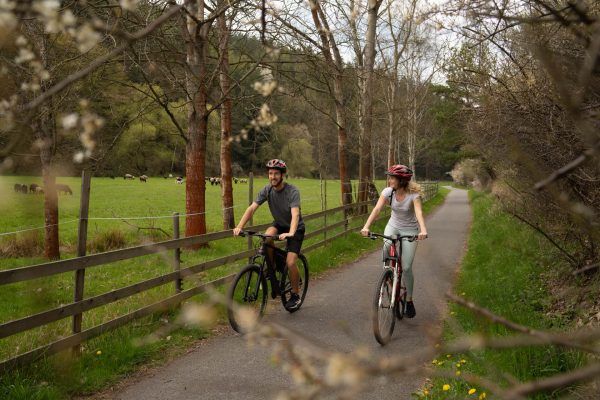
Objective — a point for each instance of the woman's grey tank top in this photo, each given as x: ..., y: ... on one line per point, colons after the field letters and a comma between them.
x: 403, y: 212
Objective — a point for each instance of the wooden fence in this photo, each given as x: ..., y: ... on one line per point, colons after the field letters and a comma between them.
x: 81, y: 263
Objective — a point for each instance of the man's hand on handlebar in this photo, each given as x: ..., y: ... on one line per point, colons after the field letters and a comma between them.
x: 236, y: 231
x: 364, y: 232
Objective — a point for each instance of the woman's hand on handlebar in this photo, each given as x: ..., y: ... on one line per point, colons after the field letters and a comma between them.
x: 422, y: 235
x: 364, y: 232
x: 236, y: 231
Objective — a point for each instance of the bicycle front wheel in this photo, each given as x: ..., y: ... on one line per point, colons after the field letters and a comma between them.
x: 302, y: 283
x: 246, y: 298
x: 383, y: 309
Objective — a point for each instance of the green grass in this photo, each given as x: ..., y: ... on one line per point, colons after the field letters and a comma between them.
x: 60, y: 377
x: 503, y: 272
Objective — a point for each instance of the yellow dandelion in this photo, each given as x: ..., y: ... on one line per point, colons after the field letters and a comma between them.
x: 98, y: 352
x: 457, y: 365
x: 448, y: 355
x: 482, y: 396
x: 463, y: 361
x: 452, y: 313
x: 446, y: 387
x: 463, y: 293
x: 457, y: 373
x: 425, y: 392
x: 472, y: 390
x: 435, y: 361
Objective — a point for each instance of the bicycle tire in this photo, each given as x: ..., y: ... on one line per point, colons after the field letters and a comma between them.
x: 249, y: 278
x: 383, y: 311
x: 286, y: 284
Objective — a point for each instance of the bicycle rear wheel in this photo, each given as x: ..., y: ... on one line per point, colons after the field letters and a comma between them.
x: 302, y: 284
x: 383, y: 309
x: 247, y: 297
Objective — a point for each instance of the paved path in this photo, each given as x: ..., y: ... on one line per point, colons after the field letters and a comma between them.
x: 336, y: 313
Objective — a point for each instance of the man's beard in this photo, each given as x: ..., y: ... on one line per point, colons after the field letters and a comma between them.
x: 278, y: 182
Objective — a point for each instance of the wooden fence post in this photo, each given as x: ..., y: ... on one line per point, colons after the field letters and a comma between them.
x: 325, y: 207
x: 84, y: 207
x: 177, y: 253
x: 250, y: 200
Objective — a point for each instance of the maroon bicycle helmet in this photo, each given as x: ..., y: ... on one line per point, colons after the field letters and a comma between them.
x: 400, y: 171
x: 277, y: 164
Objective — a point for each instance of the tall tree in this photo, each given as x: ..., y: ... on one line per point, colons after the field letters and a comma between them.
x: 335, y: 65
x: 226, y: 110
x: 365, y: 173
x: 195, y: 29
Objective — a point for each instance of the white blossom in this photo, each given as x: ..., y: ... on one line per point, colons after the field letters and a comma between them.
x: 86, y: 38
x: 21, y: 41
x: 128, y: 5
x: 68, y: 19
x: 24, y: 56
x: 47, y: 8
x: 78, y: 157
x: 70, y: 121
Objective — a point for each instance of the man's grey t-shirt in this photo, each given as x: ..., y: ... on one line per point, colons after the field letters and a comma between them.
x: 281, y: 204
x: 403, y: 212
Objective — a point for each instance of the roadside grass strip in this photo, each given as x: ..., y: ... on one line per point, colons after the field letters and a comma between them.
x: 505, y: 271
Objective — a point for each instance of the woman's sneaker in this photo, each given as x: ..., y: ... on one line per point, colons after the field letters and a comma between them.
x: 410, y: 309
x: 293, y: 303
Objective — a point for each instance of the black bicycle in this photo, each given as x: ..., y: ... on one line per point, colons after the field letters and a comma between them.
x: 389, y: 301
x: 249, y: 288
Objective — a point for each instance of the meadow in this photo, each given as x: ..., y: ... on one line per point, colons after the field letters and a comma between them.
x: 133, y: 206
x: 125, y: 201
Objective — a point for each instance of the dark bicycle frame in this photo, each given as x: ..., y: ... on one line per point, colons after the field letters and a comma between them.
x: 262, y: 253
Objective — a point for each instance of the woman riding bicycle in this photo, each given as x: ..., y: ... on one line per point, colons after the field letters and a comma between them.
x: 404, y: 197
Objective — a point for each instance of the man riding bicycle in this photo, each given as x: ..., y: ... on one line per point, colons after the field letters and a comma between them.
x: 284, y: 204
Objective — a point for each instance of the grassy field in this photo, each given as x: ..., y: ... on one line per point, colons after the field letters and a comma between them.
x: 504, y: 271
x: 129, y: 202
x: 119, y: 353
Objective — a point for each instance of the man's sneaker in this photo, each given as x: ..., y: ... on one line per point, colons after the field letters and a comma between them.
x: 293, y: 303
x: 410, y: 309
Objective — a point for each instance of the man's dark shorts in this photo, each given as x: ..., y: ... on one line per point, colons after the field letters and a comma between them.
x: 295, y: 242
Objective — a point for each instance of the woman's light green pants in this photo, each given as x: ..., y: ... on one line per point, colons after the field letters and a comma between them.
x: 408, y: 254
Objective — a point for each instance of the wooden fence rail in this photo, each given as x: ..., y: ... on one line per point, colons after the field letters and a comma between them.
x: 79, y: 306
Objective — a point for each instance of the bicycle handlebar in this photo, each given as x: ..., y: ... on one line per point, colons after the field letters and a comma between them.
x: 260, y: 235
x: 395, y: 238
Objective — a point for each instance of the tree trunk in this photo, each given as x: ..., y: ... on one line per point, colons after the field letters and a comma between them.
x: 197, y: 54
x: 391, y: 159
x: 44, y: 128
x: 226, y: 108
x: 51, y: 240
x: 334, y: 61
x: 365, y: 177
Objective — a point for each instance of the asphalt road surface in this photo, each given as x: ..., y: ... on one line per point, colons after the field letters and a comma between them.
x: 335, y: 314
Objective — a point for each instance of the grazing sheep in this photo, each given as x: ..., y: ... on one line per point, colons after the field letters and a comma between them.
x: 170, y: 175
x: 32, y: 187
x: 235, y: 180
x: 19, y: 188
x: 179, y: 180
x: 61, y: 188
x: 39, y: 190
x: 128, y: 176
x: 143, y: 178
